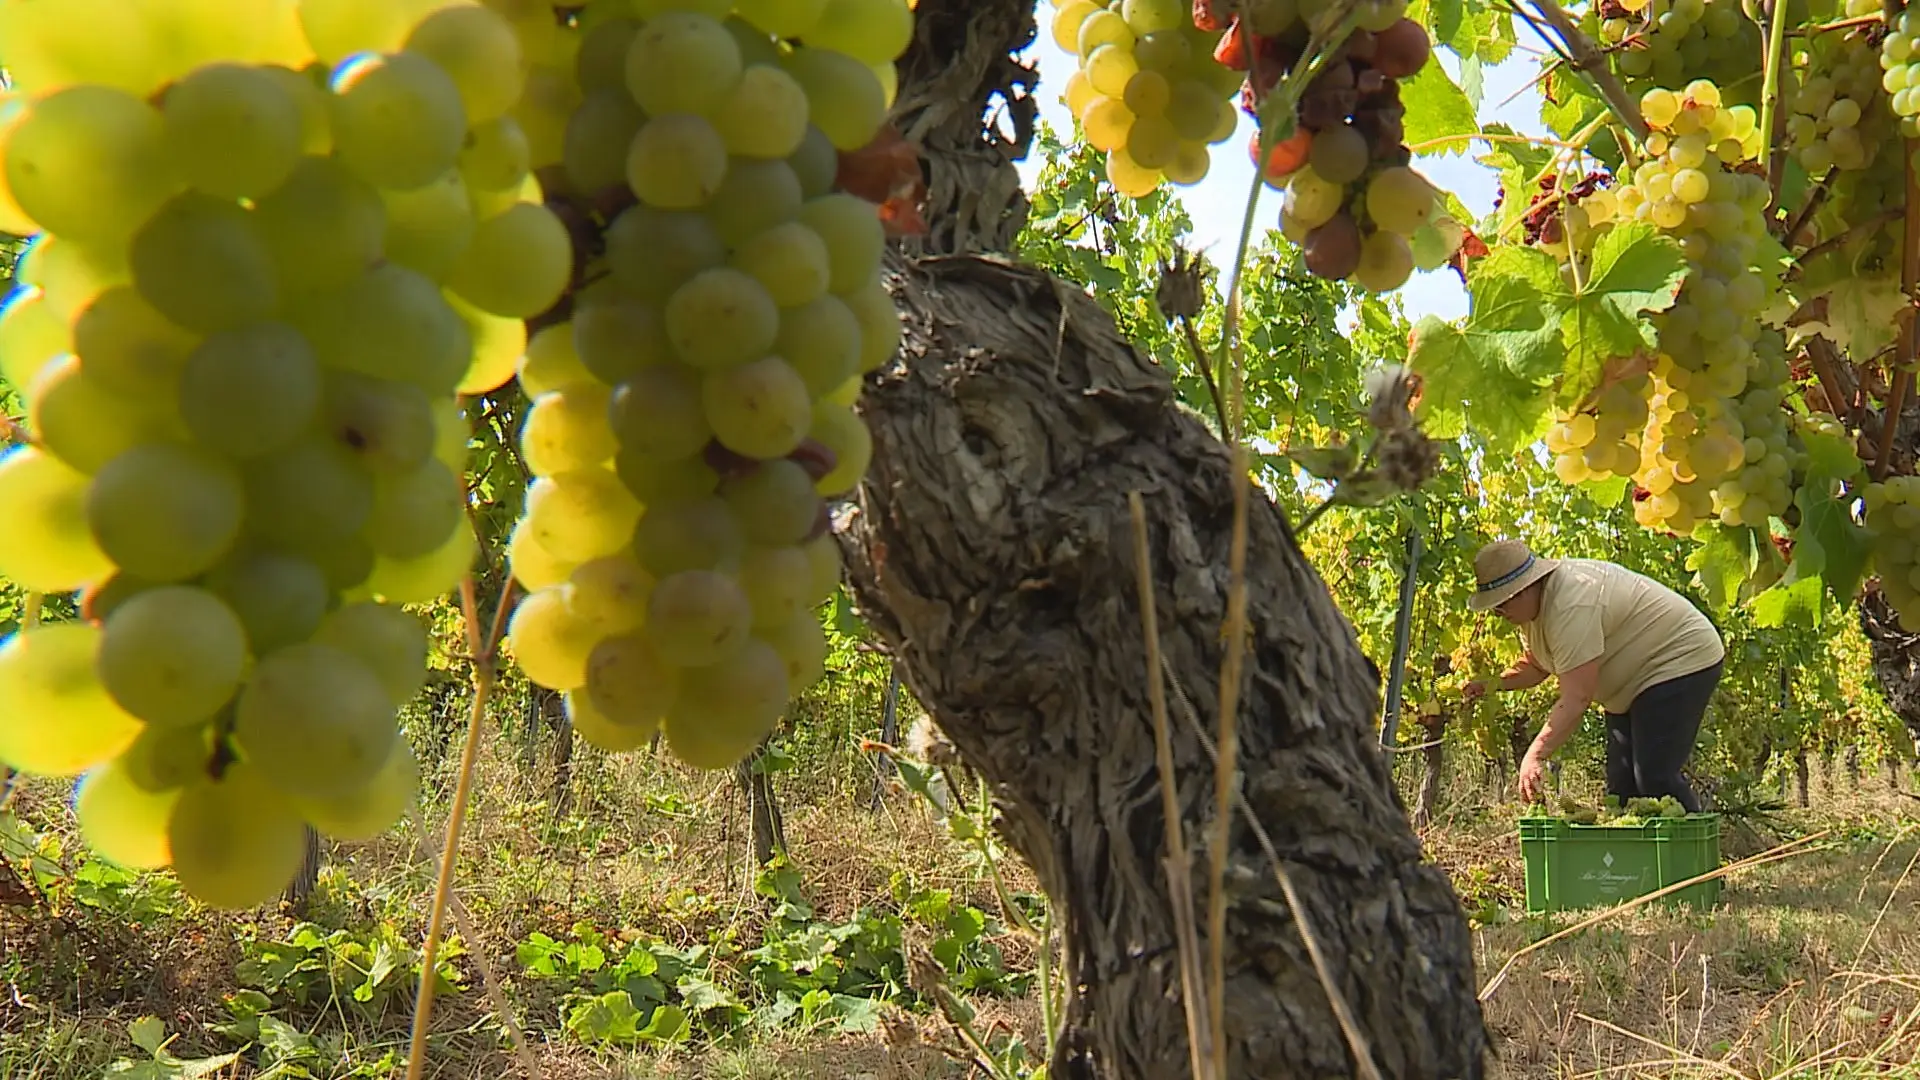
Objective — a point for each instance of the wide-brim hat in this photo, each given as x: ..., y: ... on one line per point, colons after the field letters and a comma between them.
x: 1502, y: 569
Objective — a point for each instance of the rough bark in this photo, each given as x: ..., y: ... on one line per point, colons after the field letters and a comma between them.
x: 1434, y: 759
x: 1800, y: 794
x: 1896, y: 658
x: 1853, y: 766
x: 766, y: 825
x: 560, y: 786
x: 991, y: 550
x: 300, y: 889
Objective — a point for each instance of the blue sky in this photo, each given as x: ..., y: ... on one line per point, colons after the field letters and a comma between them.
x: 1216, y: 203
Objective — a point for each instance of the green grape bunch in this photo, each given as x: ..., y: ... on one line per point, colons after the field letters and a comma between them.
x: 1666, y: 44
x: 694, y: 412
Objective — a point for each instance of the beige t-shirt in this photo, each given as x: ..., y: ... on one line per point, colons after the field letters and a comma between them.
x: 1642, y: 632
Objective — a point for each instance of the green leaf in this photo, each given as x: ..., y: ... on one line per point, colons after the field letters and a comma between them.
x: 1635, y: 270
x: 1569, y: 103
x: 1842, y: 547
x: 1469, y: 385
x: 1724, y: 562
x: 1516, y: 293
x: 148, y: 1033
x: 1608, y: 492
x: 1450, y: 26
x: 1795, y: 603
x: 1829, y: 456
x: 667, y: 1024
x: 1436, y: 109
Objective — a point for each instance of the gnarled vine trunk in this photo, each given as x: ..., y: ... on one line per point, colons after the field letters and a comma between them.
x: 991, y: 548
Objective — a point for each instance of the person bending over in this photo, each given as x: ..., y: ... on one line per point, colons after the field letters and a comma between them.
x: 1608, y: 635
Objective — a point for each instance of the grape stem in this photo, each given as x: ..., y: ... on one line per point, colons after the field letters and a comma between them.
x: 1495, y: 137
x: 485, y: 653
x: 11, y: 432
x: 1823, y: 356
x: 1202, y: 361
x: 1587, y: 59
x: 1770, y: 90
x: 1815, y: 197
x: 1859, y: 228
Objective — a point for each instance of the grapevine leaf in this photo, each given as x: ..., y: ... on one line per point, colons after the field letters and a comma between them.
x: 1473, y: 81
x: 1635, y: 270
x: 1607, y: 492
x: 1516, y: 293
x: 1517, y: 163
x: 1451, y: 26
x: 1569, y: 102
x: 1468, y: 385
x: 1827, y: 532
x: 1724, y: 563
x: 1790, y: 602
x: 1829, y: 457
x: 1437, y: 109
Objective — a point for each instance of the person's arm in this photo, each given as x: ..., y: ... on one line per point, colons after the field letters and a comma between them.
x: 1577, y: 686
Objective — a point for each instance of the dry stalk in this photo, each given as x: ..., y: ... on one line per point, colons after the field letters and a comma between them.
x: 1179, y: 861
x: 484, y: 652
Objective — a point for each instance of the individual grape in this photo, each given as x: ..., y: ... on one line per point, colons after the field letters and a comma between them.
x: 315, y: 720
x: 165, y: 512
x: 387, y: 426
x: 598, y: 134
x: 165, y: 758
x: 323, y: 227
x: 880, y: 329
x: 31, y: 336
x: 619, y: 340
x: 496, y: 156
x: 1151, y: 143
x: 518, y: 264
x: 279, y: 599
x: 676, y: 162
x: 654, y: 479
x: 232, y: 130
x: 204, y: 264
x: 816, y: 162
x: 1311, y: 199
x: 581, y: 515
x: 71, y: 274
x: 612, y: 592
x: 821, y: 341
x: 758, y: 409
x: 429, y: 227
x: 172, y: 655
x: 552, y: 363
x: 479, y: 52
x: 389, y: 641
x: 429, y: 577
x: 533, y: 566
x: 398, y: 119
x: 724, y: 709
x: 1385, y: 262
x: 720, y: 319
x: 697, y: 617
x: 251, y: 390
x: 1400, y: 200
x: 374, y: 807
x: 790, y: 261
x: 682, y: 62
x: 1333, y: 249
x: 121, y: 820
x: 850, y: 227
x: 235, y: 840
x: 823, y: 553
x: 84, y: 424
x: 88, y: 162
x: 568, y: 429
x: 1401, y: 49
x: 870, y: 31
x: 414, y: 512
x: 601, y: 732
x: 847, y: 102
x: 652, y: 252
x: 775, y: 503
x: 1339, y: 155
x: 309, y: 97
x: 46, y: 546
x: 838, y: 429
x: 755, y: 197
x: 782, y: 18
x: 765, y: 114
x: 699, y: 533
x: 392, y: 323
x: 55, y: 717
x: 658, y: 412
x: 628, y: 682
x: 307, y: 491
x: 549, y: 641
x: 777, y: 581
x: 498, y: 345
x: 801, y: 643
x: 601, y: 63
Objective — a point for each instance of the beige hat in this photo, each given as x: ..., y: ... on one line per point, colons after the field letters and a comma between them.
x: 1502, y: 569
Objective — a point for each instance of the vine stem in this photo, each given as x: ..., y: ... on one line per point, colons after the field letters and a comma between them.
x: 485, y: 671
x: 1770, y: 88
x: 1909, y: 276
x: 1589, y: 61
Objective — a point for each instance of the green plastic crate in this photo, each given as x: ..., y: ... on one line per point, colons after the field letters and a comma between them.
x: 1583, y: 866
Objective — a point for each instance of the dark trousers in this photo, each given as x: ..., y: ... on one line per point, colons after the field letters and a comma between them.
x: 1647, y: 744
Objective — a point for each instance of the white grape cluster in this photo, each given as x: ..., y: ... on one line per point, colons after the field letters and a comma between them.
x: 695, y: 411
x: 1892, y: 515
x: 1900, y: 69
x: 273, y: 243
x: 1715, y: 443
x: 1147, y: 91
x: 1664, y: 44
x: 1835, y: 120
x: 1604, y: 440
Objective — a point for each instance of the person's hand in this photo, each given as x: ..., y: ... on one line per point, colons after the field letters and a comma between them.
x: 1474, y: 690
x: 1533, y: 779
